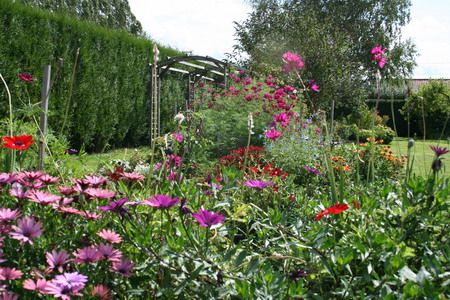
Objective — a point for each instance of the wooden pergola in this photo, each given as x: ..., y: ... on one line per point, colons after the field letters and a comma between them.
x: 195, y: 67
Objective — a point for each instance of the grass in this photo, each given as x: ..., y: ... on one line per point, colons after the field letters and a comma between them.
x: 422, y: 154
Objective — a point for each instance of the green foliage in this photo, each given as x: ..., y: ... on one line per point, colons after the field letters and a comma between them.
x: 109, y: 102
x: 431, y: 103
x: 334, y: 39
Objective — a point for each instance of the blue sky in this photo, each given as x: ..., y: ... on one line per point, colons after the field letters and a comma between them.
x: 205, y: 27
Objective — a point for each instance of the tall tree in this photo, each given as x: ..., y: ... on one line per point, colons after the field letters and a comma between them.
x: 115, y: 14
x: 334, y: 37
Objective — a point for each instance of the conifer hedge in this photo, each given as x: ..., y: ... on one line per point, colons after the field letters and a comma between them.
x: 111, y: 91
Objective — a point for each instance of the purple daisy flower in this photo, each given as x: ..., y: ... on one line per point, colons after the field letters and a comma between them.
x: 162, y: 201
x: 258, y: 184
x: 313, y: 171
x: 208, y: 218
x: 439, y: 150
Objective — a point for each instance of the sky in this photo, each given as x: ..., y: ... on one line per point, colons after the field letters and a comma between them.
x: 206, y: 28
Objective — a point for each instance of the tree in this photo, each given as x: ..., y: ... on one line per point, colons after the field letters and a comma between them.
x: 115, y: 14
x: 335, y: 39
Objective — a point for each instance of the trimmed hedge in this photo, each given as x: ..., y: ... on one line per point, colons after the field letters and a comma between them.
x: 111, y: 94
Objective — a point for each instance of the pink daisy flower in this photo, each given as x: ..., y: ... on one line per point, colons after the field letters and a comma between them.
x: 8, y: 296
x: 10, y: 274
x: 26, y: 230
x: 87, y: 255
x: 102, y: 291
x: 43, y: 197
x: 47, y: 179
x: 110, y: 236
x: 123, y: 267
x: 56, y: 260
x: 108, y: 252
x: 18, y: 192
x: 8, y: 215
x: 132, y: 176
x: 66, y: 191
x: 95, y: 181
x: 40, y: 285
x: 99, y: 193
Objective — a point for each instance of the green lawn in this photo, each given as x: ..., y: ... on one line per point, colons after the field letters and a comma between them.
x: 422, y: 154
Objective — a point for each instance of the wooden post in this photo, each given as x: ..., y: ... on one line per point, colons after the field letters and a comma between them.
x: 332, y: 117
x: 44, y: 115
x: 155, y: 98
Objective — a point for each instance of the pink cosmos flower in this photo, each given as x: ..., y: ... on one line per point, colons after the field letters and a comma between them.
x: 258, y: 184
x: 208, y: 218
x: 26, y: 77
x: 282, y: 118
x: 102, y: 291
x: 293, y: 62
x: 86, y: 255
x: 43, y: 197
x: 100, y: 193
x: 273, y: 134
x: 108, y: 252
x: 56, y: 260
x: 123, y: 267
x: 8, y: 215
x: 377, y: 55
x: 26, y: 230
x: 110, y: 236
x: 40, y: 285
x: 313, y: 85
x: 162, y: 201
x: 10, y: 274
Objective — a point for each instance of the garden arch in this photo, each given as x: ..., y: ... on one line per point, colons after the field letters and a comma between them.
x: 195, y: 67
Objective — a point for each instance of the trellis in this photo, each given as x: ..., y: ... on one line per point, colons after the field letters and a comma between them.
x: 196, y: 68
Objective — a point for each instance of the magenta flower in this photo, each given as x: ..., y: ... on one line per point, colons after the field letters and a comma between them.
x: 40, y: 285
x: 178, y: 137
x: 26, y: 230
x: 110, y: 236
x: 377, y: 55
x: 313, y: 85
x: 282, y: 118
x: 439, y: 150
x: 66, y: 285
x: 56, y: 260
x: 95, y: 181
x: 108, y: 252
x: 208, y: 218
x: 47, y: 179
x: 8, y: 178
x: 273, y: 134
x: 102, y: 291
x: 313, y: 171
x: 117, y: 206
x: 293, y: 62
x: 162, y: 201
x: 258, y: 184
x: 132, y: 176
x: 123, y: 267
x: 86, y: 255
x: 10, y: 274
x: 26, y: 77
x: 43, y: 197
x: 66, y: 191
x: 99, y: 193
x: 70, y: 280
x: 8, y: 296
x: 8, y: 215
x: 18, y: 192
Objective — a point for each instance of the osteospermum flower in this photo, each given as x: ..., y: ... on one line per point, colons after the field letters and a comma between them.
x: 110, y: 236
x: 439, y: 150
x: 313, y: 171
x: 132, y: 176
x: 208, y: 218
x: 56, y: 260
x: 102, y: 291
x: 95, y: 181
x: 8, y: 178
x: 108, y: 252
x: 313, y: 85
x: 8, y: 296
x: 293, y: 62
x: 26, y: 230
x: 18, y: 192
x: 8, y: 215
x: 86, y: 255
x: 10, y: 274
x: 335, y: 209
x: 123, y: 267
x: 117, y: 206
x: 18, y: 142
x: 40, y: 285
x: 70, y: 280
x: 49, y: 179
x: 43, y: 197
x: 162, y: 201
x: 258, y: 184
x: 100, y: 193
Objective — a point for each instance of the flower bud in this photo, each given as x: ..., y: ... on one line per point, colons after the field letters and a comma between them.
x: 410, y: 143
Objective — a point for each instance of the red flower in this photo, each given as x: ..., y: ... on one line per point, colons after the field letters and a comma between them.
x: 336, y: 209
x: 26, y: 77
x: 18, y: 142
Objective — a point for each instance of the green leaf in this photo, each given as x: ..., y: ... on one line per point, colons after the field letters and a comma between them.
x: 240, y: 258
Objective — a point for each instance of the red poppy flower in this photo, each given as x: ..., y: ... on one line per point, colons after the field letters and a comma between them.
x: 336, y: 209
x: 26, y: 77
x: 18, y: 142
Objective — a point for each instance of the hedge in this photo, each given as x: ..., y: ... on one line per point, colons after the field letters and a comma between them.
x: 111, y: 93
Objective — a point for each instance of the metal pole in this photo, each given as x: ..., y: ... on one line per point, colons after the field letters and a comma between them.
x: 44, y: 114
x: 332, y: 117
